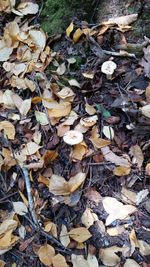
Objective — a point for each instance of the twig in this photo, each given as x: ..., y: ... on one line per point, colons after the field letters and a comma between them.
x: 30, y: 198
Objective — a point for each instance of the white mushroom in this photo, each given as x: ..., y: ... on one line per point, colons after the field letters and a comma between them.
x: 108, y: 67
x: 73, y: 137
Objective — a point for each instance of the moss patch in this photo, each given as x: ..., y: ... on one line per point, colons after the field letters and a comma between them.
x: 57, y: 14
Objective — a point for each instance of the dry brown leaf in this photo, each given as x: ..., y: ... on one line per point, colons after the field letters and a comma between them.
x: 59, y: 260
x: 60, y: 110
x: 59, y: 186
x: 96, y: 140
x: 109, y: 257
x: 92, y: 261
x: 64, y: 238
x: 69, y: 29
x: 79, y: 151
x: 121, y: 171
x: 137, y: 154
x: 2, y: 263
x: 21, y: 83
x: 46, y: 253
x: 79, y: 234
x: 65, y: 93
x: 116, y: 210
x: 9, y: 129
x: 131, y: 263
x: 14, y: 68
x: 112, y: 157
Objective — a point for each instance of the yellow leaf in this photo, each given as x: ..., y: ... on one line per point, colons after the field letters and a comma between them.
x: 96, y: 140
x: 59, y: 260
x: 8, y: 225
x: 80, y: 234
x: 121, y: 171
x: 77, y: 35
x: 69, y: 29
x: 46, y: 253
x: 79, y: 151
x: 9, y: 129
x: 43, y: 180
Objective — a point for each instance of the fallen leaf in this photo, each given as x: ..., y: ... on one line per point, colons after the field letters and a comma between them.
x: 77, y: 35
x: 88, y: 75
x: 59, y: 260
x: 38, y: 37
x: 145, y: 62
x: 41, y: 117
x: 20, y: 208
x: 96, y: 140
x: 112, y: 157
x: 2, y: 263
x: 88, y: 218
x: 147, y: 169
x: 122, y: 171
x: 144, y: 247
x: 26, y: 8
x: 108, y: 132
x: 131, y: 263
x: 8, y: 225
x: 116, y: 210
x: 146, y: 110
x: 69, y: 29
x: 25, y: 107
x: 59, y: 186
x: 74, y: 82
x: 90, y: 109
x: 123, y: 20
x: 9, y: 129
x: 128, y: 196
x: 137, y: 154
x: 89, y: 121
x: 64, y: 238
x: 79, y: 261
x: 79, y: 234
x: 30, y: 148
x: 79, y: 151
x: 141, y: 196
x: 92, y: 261
x: 60, y: 110
x: 109, y: 257
x: 61, y: 69
x: 46, y: 254
x: 5, y: 53
x: 147, y: 93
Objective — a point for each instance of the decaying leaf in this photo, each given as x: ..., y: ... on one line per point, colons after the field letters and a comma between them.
x: 141, y: 196
x: 30, y: 148
x: 80, y: 234
x: 59, y: 186
x: 2, y: 263
x: 116, y: 210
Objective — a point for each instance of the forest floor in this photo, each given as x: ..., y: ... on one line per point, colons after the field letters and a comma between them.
x: 75, y: 142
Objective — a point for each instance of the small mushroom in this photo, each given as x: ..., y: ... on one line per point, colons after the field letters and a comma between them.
x: 73, y: 137
x: 108, y: 67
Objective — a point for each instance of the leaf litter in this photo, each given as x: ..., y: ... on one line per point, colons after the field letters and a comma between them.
x: 74, y: 155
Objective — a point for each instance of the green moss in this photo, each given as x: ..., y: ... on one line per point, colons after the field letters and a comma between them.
x: 57, y: 14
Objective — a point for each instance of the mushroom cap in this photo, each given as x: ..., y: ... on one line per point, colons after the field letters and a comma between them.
x: 73, y: 137
x: 108, y: 67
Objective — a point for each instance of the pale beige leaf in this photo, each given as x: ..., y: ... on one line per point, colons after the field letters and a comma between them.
x: 5, y: 53
x: 74, y: 82
x: 64, y: 238
x: 141, y: 195
x: 7, y: 241
x: 9, y: 129
x: 144, y: 247
x: 79, y: 261
x: 30, y: 148
x: 8, y: 225
x: 7, y: 99
x: 61, y: 69
x: 14, y: 68
x: 108, y: 132
x: 25, y: 107
x: 60, y: 110
x: 38, y: 38
x: 20, y: 208
x: 90, y: 109
x: 131, y: 263
x: 112, y: 157
x: 146, y: 110
x: 60, y: 261
x: 109, y: 257
x: 88, y: 75
x: 65, y: 93
x: 37, y: 136
x: 123, y: 20
x: 87, y: 218
x: 92, y: 261
x: 128, y: 196
x: 26, y: 8
x: 80, y: 234
x: 41, y: 117
x: 79, y: 151
x: 137, y: 154
x: 46, y: 253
